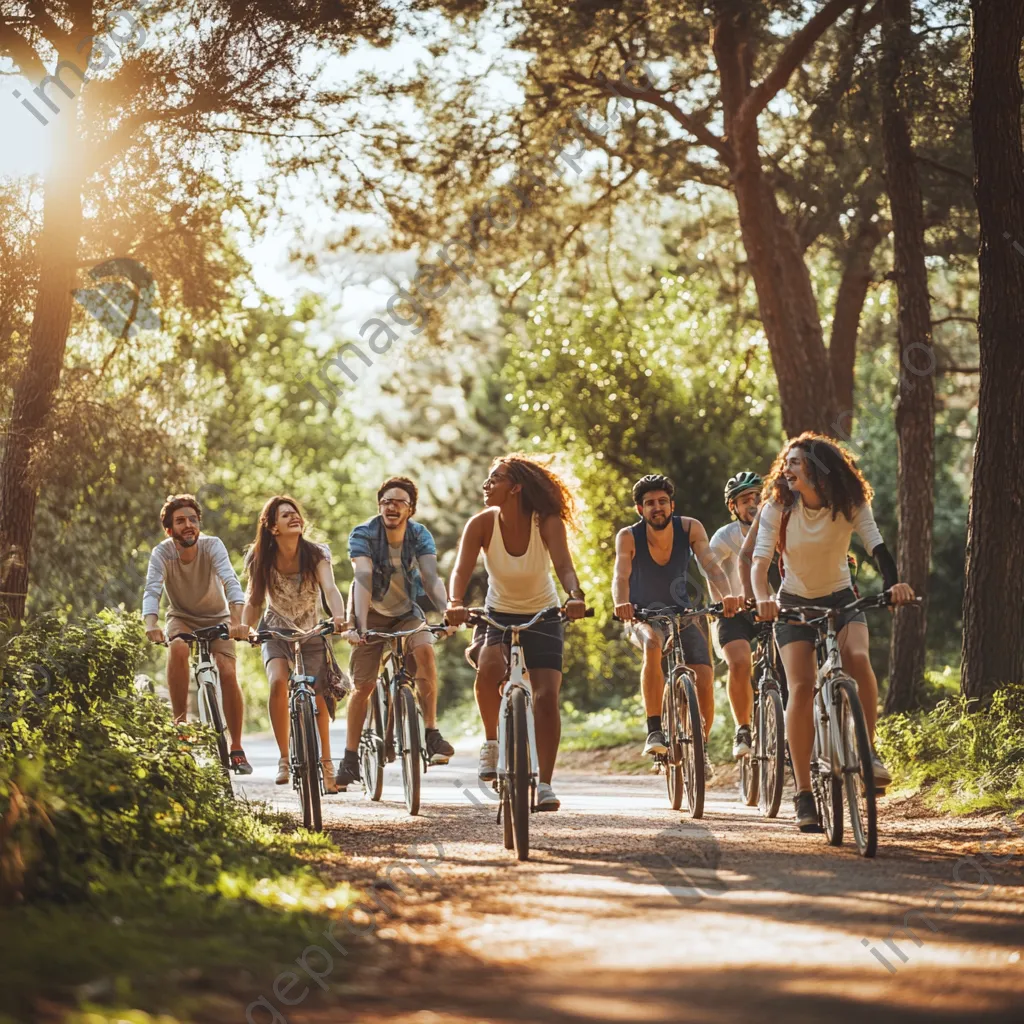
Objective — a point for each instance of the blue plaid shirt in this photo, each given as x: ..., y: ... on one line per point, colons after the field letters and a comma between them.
x: 370, y: 540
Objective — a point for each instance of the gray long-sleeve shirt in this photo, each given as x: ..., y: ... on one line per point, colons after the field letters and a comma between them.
x: 199, y: 590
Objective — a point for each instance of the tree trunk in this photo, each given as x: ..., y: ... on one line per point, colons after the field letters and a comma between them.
x: 35, y: 389
x: 785, y: 296
x: 853, y: 291
x: 915, y: 397
x: 993, y: 647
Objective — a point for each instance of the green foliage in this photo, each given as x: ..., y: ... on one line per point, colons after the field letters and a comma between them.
x: 967, y: 757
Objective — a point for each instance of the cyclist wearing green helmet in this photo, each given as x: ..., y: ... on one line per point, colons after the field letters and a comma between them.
x: 736, y: 635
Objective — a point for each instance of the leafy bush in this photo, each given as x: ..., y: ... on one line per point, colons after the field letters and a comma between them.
x: 971, y: 758
x: 95, y: 780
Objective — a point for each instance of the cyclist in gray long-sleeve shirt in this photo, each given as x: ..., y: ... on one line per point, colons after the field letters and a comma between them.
x: 200, y: 582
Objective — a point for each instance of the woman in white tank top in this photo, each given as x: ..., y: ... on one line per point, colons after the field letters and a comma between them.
x: 522, y: 536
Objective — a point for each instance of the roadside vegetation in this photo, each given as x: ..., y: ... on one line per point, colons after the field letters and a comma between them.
x: 115, y: 834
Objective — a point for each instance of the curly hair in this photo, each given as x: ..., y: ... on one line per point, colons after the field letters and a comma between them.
x: 652, y: 482
x: 832, y: 471
x: 175, y: 502
x: 543, y: 491
x: 259, y: 558
x: 400, y: 481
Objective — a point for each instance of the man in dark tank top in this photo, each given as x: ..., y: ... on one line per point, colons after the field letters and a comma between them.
x: 653, y: 569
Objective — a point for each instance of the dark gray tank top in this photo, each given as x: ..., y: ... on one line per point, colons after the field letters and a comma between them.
x: 652, y: 585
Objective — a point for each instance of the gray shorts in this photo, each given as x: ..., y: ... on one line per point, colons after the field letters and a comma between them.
x: 789, y: 633
x: 695, y: 643
x: 314, y: 655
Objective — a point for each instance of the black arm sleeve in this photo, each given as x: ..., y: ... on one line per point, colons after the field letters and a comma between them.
x: 886, y: 566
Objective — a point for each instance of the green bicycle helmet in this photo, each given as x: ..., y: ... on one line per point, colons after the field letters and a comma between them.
x: 741, y: 482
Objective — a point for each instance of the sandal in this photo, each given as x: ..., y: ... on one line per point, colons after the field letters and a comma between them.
x: 330, y: 785
x: 239, y: 762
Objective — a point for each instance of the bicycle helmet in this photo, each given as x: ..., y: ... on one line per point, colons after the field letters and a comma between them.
x: 741, y: 482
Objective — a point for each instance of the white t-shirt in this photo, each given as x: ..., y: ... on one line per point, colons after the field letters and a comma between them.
x: 816, y: 546
x: 725, y: 546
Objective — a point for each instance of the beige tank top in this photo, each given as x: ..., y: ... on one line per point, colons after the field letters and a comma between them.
x: 519, y: 584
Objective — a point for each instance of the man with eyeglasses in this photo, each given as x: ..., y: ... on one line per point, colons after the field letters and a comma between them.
x: 202, y: 590
x: 395, y: 562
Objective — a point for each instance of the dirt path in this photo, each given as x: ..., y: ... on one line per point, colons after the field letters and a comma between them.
x: 627, y: 911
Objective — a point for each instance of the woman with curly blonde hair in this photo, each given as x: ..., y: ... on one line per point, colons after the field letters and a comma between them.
x: 522, y: 535
x: 817, y: 498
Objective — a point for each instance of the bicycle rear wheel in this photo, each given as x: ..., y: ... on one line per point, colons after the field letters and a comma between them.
x: 407, y: 726
x: 750, y: 779
x: 772, y: 761
x: 858, y: 769
x: 692, y: 737
x: 828, y: 796
x: 371, y: 747
x: 674, y: 757
x: 517, y: 754
x: 308, y: 748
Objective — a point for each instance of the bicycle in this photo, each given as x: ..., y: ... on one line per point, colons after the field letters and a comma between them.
x: 841, y: 758
x: 517, y: 735
x: 763, y: 772
x: 680, y: 711
x: 303, y: 739
x: 208, y: 692
x: 394, y: 710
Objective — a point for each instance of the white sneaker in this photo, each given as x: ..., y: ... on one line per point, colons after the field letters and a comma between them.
x: 488, y: 768
x: 282, y: 772
x: 709, y: 769
x: 546, y: 799
x: 881, y: 773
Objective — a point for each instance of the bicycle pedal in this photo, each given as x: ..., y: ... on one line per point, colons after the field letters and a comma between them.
x: 439, y: 759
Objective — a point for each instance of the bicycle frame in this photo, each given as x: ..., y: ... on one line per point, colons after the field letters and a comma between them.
x: 207, y: 676
x: 518, y: 677
x: 395, y: 676
x: 830, y: 664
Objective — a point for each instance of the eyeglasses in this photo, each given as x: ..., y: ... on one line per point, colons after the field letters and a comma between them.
x: 397, y: 502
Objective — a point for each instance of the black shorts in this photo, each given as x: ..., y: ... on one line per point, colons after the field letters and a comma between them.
x: 788, y: 633
x: 695, y: 643
x: 739, y: 627
x: 542, y: 643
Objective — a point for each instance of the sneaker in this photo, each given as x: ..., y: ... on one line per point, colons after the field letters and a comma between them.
x: 882, y: 776
x: 439, y: 750
x: 709, y: 769
x: 330, y: 782
x: 656, y: 743
x: 239, y: 763
x: 546, y: 799
x: 742, y: 745
x: 488, y: 768
x: 283, y: 774
x: 806, y: 812
x: 349, y: 770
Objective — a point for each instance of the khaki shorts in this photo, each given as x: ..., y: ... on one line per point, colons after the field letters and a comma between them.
x: 176, y: 624
x: 364, y: 665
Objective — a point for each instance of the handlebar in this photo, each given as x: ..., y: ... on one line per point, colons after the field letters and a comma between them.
x: 292, y: 635
x: 556, y: 612
x: 218, y: 632
x: 671, y: 611
x: 423, y: 627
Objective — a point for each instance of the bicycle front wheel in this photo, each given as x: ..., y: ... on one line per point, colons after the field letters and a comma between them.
x: 858, y: 768
x: 674, y: 757
x: 692, y: 737
x: 750, y: 778
x: 407, y: 726
x: 209, y: 712
x: 517, y: 754
x: 828, y: 795
x: 371, y: 748
x: 771, y: 739
x: 308, y: 748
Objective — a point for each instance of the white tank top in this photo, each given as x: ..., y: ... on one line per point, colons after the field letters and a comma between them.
x: 519, y: 583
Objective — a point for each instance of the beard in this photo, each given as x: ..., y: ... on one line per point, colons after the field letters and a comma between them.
x: 663, y: 525
x: 187, y: 542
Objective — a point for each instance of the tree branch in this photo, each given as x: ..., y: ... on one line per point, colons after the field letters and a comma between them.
x: 700, y: 132
x: 52, y: 32
x: 952, y: 171
x: 21, y: 51
x: 796, y: 49
x: 956, y: 319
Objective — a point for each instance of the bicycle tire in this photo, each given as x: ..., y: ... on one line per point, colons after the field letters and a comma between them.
x: 692, y: 737
x: 506, y: 817
x: 860, y: 783
x: 828, y: 797
x: 372, y: 749
x: 407, y: 726
x: 750, y: 779
x: 209, y: 712
x: 772, y: 763
x: 517, y: 751
x: 674, y: 757
x: 309, y: 767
